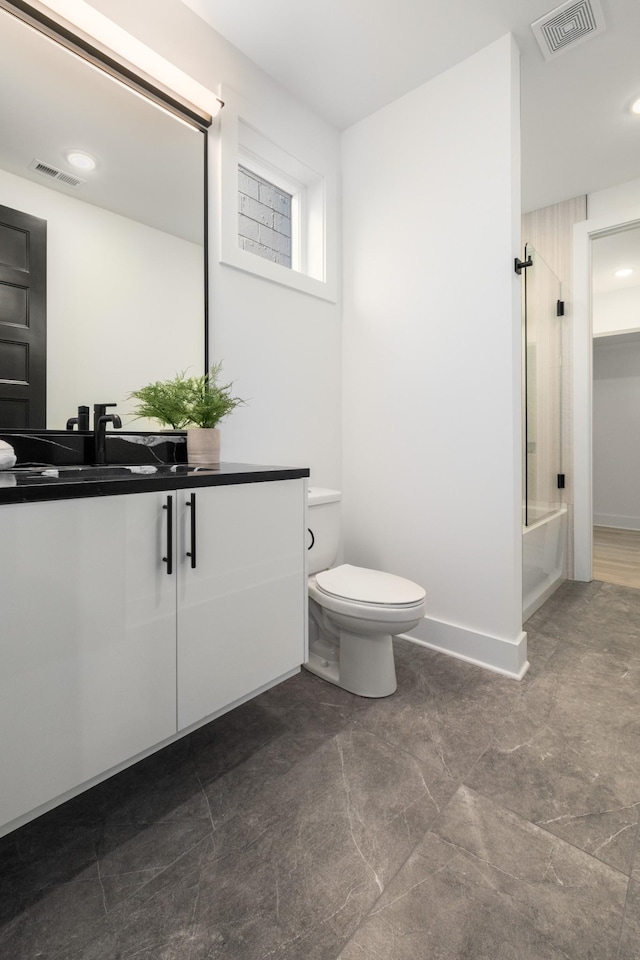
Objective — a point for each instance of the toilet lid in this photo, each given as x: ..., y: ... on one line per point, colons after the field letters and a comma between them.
x: 369, y: 586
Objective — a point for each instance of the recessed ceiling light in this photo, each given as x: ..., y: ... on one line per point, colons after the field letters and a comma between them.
x: 624, y: 272
x: 635, y: 107
x: 81, y: 160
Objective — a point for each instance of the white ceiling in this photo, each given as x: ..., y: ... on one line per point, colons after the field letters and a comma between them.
x: 614, y: 252
x: 348, y: 58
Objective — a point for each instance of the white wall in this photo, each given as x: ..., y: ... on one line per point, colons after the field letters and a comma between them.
x: 432, y: 344
x: 616, y: 199
x: 614, y: 311
x: 124, y: 302
x: 432, y: 438
x: 616, y: 429
x: 281, y: 347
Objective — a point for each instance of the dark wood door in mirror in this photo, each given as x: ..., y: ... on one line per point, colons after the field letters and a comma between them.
x: 23, y: 319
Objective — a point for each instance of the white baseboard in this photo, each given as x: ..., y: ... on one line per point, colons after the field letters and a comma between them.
x: 613, y: 520
x: 507, y: 657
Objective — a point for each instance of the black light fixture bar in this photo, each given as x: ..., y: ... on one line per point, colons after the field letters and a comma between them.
x: 47, y: 22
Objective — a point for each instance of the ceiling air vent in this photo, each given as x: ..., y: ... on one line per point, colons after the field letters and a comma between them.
x: 566, y: 26
x: 47, y: 170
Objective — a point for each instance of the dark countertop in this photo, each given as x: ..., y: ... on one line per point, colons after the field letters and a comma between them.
x: 27, y: 485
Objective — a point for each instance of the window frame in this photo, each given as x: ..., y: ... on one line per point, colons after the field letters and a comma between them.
x: 276, y: 158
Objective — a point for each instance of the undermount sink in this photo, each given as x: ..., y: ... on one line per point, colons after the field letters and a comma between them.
x: 90, y: 471
x: 101, y: 468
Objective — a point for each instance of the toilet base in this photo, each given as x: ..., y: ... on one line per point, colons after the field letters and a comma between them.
x: 366, y: 666
x: 327, y: 669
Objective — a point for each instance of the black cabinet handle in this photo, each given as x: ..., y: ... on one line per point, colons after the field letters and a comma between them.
x: 191, y: 502
x: 168, y: 506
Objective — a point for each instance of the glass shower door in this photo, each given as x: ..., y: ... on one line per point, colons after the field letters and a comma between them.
x: 542, y: 389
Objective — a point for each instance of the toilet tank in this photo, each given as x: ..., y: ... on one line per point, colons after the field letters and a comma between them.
x: 323, y: 525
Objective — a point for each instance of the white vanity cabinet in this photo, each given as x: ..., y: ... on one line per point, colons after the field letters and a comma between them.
x: 242, y: 606
x: 87, y: 643
x: 126, y: 620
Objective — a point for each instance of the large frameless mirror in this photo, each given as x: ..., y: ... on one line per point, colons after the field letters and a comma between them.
x: 102, y: 270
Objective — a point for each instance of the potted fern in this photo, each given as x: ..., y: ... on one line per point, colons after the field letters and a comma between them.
x: 195, y: 403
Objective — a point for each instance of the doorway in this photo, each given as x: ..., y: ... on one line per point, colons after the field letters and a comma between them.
x: 606, y: 344
x: 615, y: 310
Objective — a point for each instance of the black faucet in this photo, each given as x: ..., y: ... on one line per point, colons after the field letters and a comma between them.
x: 82, y: 420
x: 100, y: 420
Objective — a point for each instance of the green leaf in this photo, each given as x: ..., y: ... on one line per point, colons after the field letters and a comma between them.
x: 200, y: 401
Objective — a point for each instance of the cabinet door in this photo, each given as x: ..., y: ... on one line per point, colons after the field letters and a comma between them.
x: 242, y: 609
x: 87, y: 642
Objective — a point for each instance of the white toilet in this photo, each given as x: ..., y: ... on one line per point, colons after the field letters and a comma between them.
x: 353, y: 612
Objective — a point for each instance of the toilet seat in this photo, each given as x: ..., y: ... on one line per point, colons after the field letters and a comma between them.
x: 397, y: 601
x: 360, y: 585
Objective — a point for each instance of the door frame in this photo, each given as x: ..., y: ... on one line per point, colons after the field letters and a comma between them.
x: 583, y: 234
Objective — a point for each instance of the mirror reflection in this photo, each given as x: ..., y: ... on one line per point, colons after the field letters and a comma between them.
x: 124, y: 244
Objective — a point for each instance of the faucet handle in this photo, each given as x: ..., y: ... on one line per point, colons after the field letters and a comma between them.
x: 82, y: 419
x: 99, y: 410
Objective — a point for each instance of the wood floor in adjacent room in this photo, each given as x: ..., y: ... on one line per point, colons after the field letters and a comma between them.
x: 616, y: 556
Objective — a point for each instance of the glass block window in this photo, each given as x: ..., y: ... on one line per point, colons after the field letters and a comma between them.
x: 264, y: 218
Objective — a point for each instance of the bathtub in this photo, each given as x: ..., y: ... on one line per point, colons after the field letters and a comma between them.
x: 544, y: 559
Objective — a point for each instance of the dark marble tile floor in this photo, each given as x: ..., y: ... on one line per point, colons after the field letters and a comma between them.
x: 468, y: 817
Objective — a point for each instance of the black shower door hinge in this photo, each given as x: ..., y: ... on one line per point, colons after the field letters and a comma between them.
x: 561, y: 481
x: 560, y: 308
x: 520, y: 265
